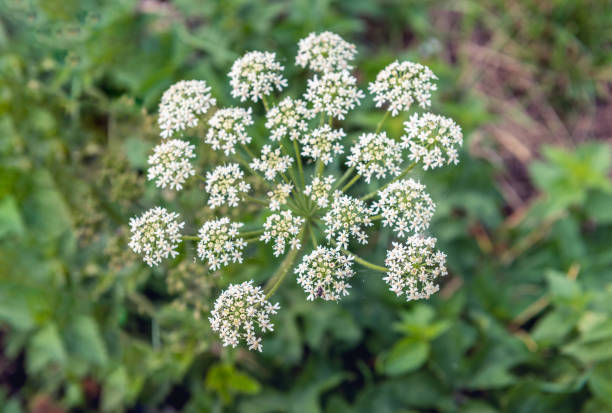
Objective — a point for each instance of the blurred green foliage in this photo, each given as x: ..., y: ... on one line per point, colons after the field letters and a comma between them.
x: 522, y: 324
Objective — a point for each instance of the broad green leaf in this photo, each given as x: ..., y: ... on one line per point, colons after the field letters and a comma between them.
x: 405, y: 356
x: 45, y: 349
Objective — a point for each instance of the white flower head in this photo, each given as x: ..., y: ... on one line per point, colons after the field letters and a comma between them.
x: 170, y: 165
x: 181, y: 104
x: 271, y: 162
x: 333, y: 93
x: 323, y: 143
x: 239, y: 312
x: 225, y: 184
x: 220, y: 243
x: 279, y: 195
x: 155, y: 235
x: 319, y: 190
x: 401, y: 84
x: 414, y: 268
x: 227, y: 127
x: 346, y: 219
x: 282, y: 228
x: 405, y: 206
x: 288, y: 119
x: 255, y: 75
x: 325, y: 52
x: 375, y: 154
x: 432, y: 140
x: 324, y: 274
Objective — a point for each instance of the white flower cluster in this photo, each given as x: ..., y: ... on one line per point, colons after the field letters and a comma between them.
x: 333, y: 93
x: 288, y: 119
x: 345, y: 220
x: 401, y: 84
x: 255, y: 75
x: 324, y: 274
x: 271, y: 162
x: 405, y: 206
x: 322, y: 143
x: 282, y: 228
x: 414, y: 267
x: 225, y: 184
x: 279, y: 195
x: 319, y: 190
x: 238, y: 310
x: 375, y: 154
x: 181, y: 104
x: 432, y: 140
x: 156, y: 235
x: 220, y: 243
x: 169, y: 164
x: 325, y: 52
x: 227, y: 127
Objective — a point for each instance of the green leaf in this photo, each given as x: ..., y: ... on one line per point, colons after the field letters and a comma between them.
x: 405, y: 356
x: 46, y: 348
x: 115, y: 389
x: 11, y: 223
x: 83, y: 340
x: 228, y: 382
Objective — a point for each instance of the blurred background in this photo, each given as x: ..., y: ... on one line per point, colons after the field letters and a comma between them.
x: 521, y: 324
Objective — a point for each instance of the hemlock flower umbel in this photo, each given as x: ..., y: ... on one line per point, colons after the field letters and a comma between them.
x: 303, y: 197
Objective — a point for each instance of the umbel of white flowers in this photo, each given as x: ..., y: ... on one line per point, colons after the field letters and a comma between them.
x: 298, y: 204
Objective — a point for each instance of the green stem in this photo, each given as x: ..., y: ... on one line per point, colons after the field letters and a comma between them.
x: 313, y: 238
x: 265, y: 103
x: 344, y: 177
x: 397, y: 178
x: 256, y: 200
x: 376, y: 217
x: 299, y: 161
x: 350, y: 183
x: 201, y: 178
x: 320, y: 167
x: 251, y: 239
x: 277, y: 279
x: 379, y: 126
x: 191, y: 238
x: 365, y: 263
x: 251, y: 233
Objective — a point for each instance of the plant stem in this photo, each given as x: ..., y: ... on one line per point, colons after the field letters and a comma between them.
x: 376, y: 217
x: 191, y: 238
x: 365, y: 263
x: 253, y: 199
x: 397, y: 178
x: 276, y: 280
x: 251, y: 239
x: 251, y: 233
x: 200, y: 177
x: 379, y: 126
x: 299, y: 161
x: 351, y: 182
x: 344, y: 177
x: 265, y: 103
x: 313, y: 238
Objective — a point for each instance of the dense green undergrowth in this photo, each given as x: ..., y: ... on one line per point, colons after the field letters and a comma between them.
x: 522, y: 323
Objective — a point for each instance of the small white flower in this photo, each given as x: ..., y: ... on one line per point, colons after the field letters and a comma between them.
x: 225, y: 184
x: 320, y: 189
x: 238, y: 310
x: 375, y: 154
x: 325, y: 52
x: 155, y: 235
x: 288, y: 119
x: 432, y: 140
x: 323, y: 143
x: 324, y: 274
x: 405, y: 206
x: 333, y: 93
x: 220, y: 243
x: 271, y: 162
x: 181, y: 104
x: 346, y: 219
x: 279, y: 195
x: 169, y: 164
x: 414, y: 268
x: 282, y: 228
x: 227, y: 127
x: 401, y: 84
x: 255, y: 75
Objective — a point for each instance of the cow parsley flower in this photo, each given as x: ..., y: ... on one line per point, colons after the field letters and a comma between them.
x: 282, y: 228
x: 432, y: 140
x: 325, y: 52
x: 227, y: 127
x: 333, y: 93
x: 288, y: 119
x: 324, y: 274
x: 181, y: 104
x: 346, y: 219
x: 155, y: 235
x: 169, y: 164
x: 238, y: 311
x: 225, y: 184
x: 255, y: 75
x: 375, y: 154
x: 414, y: 268
x: 279, y: 195
x: 319, y: 190
x: 220, y: 243
x: 322, y: 143
x: 271, y: 162
x: 405, y: 206
x: 401, y: 84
